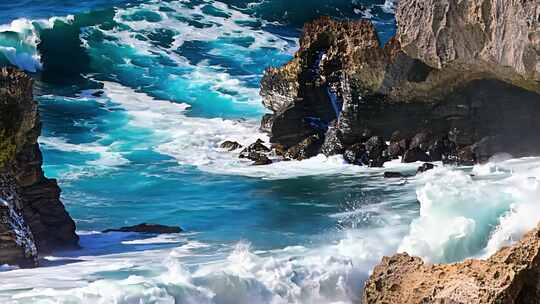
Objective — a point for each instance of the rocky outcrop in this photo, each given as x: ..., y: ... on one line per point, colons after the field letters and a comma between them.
x: 456, y: 75
x: 20, y: 162
x: 147, y: 228
x: 509, y: 276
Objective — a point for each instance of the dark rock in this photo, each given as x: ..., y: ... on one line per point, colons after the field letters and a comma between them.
x: 341, y: 73
x: 279, y: 150
x: 425, y: 167
x: 465, y: 156
x: 391, y: 174
x: 147, y: 228
x: 487, y: 147
x: 262, y: 160
x: 230, y: 145
x: 422, y: 140
x: 356, y: 155
x: 20, y: 158
x: 254, y: 150
x: 308, y: 148
x: 333, y: 144
x: 414, y: 155
x: 266, y: 123
x: 98, y: 93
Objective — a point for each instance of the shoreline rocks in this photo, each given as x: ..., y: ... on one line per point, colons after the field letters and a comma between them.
x: 458, y: 94
x: 147, y: 228
x: 509, y: 276
x: 38, y: 199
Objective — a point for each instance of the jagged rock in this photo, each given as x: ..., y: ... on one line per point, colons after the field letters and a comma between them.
x: 414, y: 155
x: 262, y: 160
x: 17, y: 245
x: 230, y: 145
x: 497, y: 39
x: 256, y: 147
x: 509, y: 276
x: 437, y: 74
x: 425, y: 167
x: 20, y: 157
x: 308, y: 148
x: 266, y: 123
x: 356, y: 155
x: 333, y: 144
x: 147, y: 228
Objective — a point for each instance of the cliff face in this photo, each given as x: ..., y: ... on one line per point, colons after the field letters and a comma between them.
x: 459, y: 82
x: 25, y: 190
x: 509, y: 276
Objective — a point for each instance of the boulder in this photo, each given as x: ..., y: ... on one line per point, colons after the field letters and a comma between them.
x: 147, y: 228
x: 230, y: 145
x: 509, y: 276
x: 414, y: 155
x: 425, y: 167
x: 307, y: 148
x: 356, y: 155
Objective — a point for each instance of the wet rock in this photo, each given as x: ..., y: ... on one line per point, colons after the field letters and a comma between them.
x: 17, y: 245
x: 414, y: 155
x: 465, y: 156
x: 442, y: 73
x: 425, y: 167
x: 356, y: 155
x: 262, y: 160
x: 266, y: 123
x: 392, y: 174
x: 308, y: 148
x: 333, y: 144
x: 487, y: 147
x: 147, y: 228
x: 230, y: 145
x: 508, y: 276
x: 255, y: 149
x: 20, y: 158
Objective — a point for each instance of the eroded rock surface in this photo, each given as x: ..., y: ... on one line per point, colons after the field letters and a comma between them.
x: 509, y: 276
x: 21, y: 160
x: 461, y: 72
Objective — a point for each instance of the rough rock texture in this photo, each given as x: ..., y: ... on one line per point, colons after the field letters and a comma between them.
x: 509, y: 276
x: 17, y: 245
x: 20, y: 159
x: 499, y: 38
x: 463, y: 70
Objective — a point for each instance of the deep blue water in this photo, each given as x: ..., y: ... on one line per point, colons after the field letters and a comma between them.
x: 136, y: 96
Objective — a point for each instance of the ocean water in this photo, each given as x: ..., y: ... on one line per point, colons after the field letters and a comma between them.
x: 135, y: 98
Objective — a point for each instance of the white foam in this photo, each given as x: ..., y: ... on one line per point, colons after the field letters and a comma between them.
x: 108, y: 158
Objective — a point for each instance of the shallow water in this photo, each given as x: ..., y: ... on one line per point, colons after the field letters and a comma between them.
x: 174, y: 79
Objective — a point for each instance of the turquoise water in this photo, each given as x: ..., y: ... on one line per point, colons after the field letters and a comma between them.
x: 135, y: 98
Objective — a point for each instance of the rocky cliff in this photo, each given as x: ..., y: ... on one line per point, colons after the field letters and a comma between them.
x: 459, y: 82
x: 509, y: 276
x: 27, y: 197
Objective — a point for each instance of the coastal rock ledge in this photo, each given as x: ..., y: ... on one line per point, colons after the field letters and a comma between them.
x: 512, y: 275
x: 32, y: 218
x: 459, y: 82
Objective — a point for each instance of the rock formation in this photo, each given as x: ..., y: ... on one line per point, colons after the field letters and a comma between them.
x: 25, y: 191
x: 509, y: 276
x: 459, y: 82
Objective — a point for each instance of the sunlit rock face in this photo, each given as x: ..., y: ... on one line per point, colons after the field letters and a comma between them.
x: 462, y: 73
x: 509, y: 276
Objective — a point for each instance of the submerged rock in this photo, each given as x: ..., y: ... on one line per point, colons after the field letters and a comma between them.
x: 509, y: 276
x: 230, y: 145
x: 425, y: 167
x: 147, y: 228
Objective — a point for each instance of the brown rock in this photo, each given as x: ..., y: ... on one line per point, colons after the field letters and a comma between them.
x: 509, y: 276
